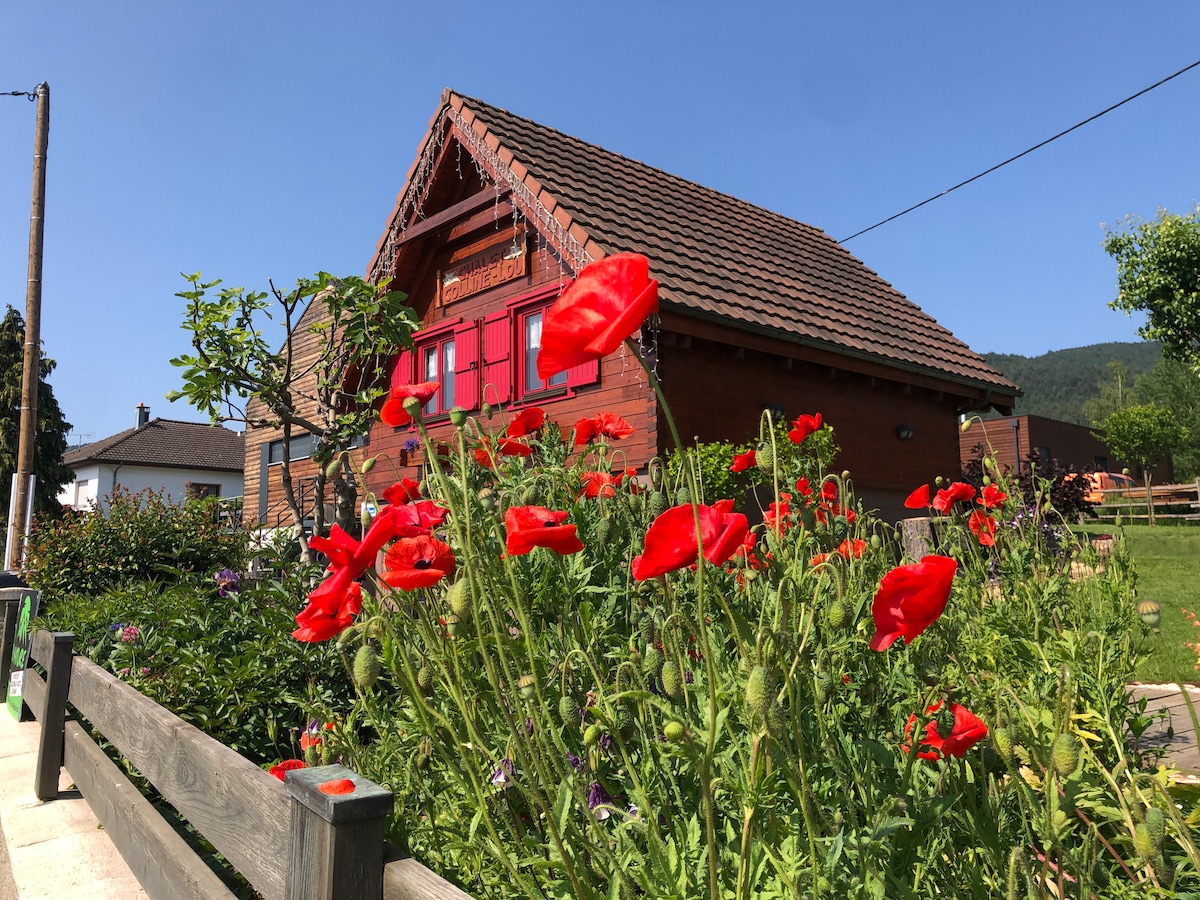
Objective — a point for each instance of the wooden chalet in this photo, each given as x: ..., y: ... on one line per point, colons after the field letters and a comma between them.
x: 497, y: 215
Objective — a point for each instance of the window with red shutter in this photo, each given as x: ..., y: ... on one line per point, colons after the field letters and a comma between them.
x: 466, y: 365
x: 497, y: 361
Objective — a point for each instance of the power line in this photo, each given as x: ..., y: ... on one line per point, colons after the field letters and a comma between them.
x: 1025, y: 152
x: 28, y: 95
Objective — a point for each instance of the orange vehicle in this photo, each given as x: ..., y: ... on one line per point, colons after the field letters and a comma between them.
x: 1103, y: 485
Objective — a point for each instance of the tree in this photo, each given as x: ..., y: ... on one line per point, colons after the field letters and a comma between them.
x: 1174, y: 386
x: 1158, y: 272
x: 324, y: 381
x: 1115, y: 393
x: 1143, y: 435
x: 52, y: 428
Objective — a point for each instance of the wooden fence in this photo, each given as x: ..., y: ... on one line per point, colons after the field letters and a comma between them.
x: 288, y: 839
x: 1130, y: 503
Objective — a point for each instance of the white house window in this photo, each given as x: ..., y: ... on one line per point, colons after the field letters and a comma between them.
x: 531, y: 343
x: 437, y: 364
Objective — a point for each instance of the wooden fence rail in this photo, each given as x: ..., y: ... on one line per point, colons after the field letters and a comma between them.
x: 288, y: 839
x: 1130, y: 503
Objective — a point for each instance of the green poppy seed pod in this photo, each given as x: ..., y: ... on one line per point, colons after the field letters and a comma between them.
x: 1151, y: 613
x: 458, y: 417
x: 412, y: 406
x: 764, y: 457
x: 425, y: 681
x: 591, y: 735
x: 366, y: 667
x: 452, y: 625
x: 1143, y: 843
x: 568, y: 711
x: 657, y: 503
x: 1064, y: 755
x: 487, y: 499
x: 1156, y: 826
x: 334, y: 468
x: 458, y: 598
x: 527, y: 687
x: 1003, y: 742
x: 759, y: 690
x: 652, y: 661
x: 672, y: 679
x: 674, y: 732
x: 368, y: 464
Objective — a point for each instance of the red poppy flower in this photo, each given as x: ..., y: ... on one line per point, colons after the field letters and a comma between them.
x: 403, y: 491
x: 602, y: 425
x: 336, y: 786
x: 744, y: 461
x: 393, y: 412
x: 803, y: 427
x: 600, y: 484
x: 606, y: 304
x: 536, y: 526
x: 418, y: 518
x: 777, y: 513
x: 527, y: 421
x: 280, y: 770
x: 319, y: 621
x: 983, y: 527
x: 486, y: 454
x: 847, y: 548
x: 671, y: 538
x: 947, y: 497
x: 918, y: 499
x: 417, y: 562
x: 966, y: 732
x: 910, y: 599
x: 803, y: 488
x: 991, y: 496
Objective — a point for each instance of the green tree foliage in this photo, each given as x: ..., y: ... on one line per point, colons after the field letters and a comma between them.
x: 1174, y: 386
x: 1145, y: 435
x: 1158, y: 273
x: 141, y: 536
x: 330, y: 393
x: 1116, y: 392
x: 52, y: 429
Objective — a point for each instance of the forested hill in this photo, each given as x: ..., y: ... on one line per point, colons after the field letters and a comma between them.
x: 1058, y: 383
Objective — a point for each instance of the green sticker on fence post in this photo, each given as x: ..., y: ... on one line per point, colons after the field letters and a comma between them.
x: 20, y: 652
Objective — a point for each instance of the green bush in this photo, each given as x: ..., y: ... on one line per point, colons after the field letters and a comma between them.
x: 228, y: 665
x: 139, y: 536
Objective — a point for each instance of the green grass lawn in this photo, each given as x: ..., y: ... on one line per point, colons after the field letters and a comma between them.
x: 1167, y: 561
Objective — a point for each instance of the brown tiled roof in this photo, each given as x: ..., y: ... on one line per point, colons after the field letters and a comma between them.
x: 167, y: 443
x: 719, y: 257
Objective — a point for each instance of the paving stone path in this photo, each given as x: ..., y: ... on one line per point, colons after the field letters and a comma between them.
x: 1175, y: 733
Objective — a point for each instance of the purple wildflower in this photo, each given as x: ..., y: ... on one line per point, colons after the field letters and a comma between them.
x: 227, y: 582
x: 599, y: 801
x: 505, y: 772
x: 575, y: 761
x: 606, y: 742
x: 528, y: 727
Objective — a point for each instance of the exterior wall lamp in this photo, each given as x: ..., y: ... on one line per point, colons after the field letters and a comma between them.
x: 905, y: 432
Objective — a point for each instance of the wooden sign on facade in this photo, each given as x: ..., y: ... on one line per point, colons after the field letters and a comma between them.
x: 504, y: 261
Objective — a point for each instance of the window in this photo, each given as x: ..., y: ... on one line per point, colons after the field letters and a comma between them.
x: 530, y: 330
x: 301, y: 448
x: 196, y: 490
x: 81, y: 492
x: 437, y: 364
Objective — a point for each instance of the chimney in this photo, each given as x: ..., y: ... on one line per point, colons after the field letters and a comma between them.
x: 143, y: 414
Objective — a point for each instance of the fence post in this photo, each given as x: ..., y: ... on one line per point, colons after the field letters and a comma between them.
x: 57, y: 659
x: 336, y: 846
x: 917, y: 533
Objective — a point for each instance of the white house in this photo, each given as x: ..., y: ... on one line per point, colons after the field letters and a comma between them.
x: 180, y: 458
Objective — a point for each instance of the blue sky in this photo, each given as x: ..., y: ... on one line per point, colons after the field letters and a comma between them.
x: 270, y: 139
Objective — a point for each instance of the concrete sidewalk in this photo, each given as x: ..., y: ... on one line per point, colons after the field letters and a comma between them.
x: 57, y: 849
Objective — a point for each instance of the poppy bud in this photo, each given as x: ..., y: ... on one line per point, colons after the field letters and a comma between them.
x: 876, y: 542
x: 1155, y: 825
x: 458, y: 598
x: 674, y: 732
x: 623, y: 721
x: 568, y: 711
x: 645, y: 627
x: 1143, y: 843
x: 672, y: 679
x: 759, y: 690
x: 326, y: 753
x: 1002, y: 741
x: 764, y: 457
x: 425, y: 681
x: 945, y: 721
x: 657, y: 503
x: 601, y: 532
x: 348, y: 635
x: 652, y: 661
x: 527, y: 687
x: 1151, y: 613
x: 312, y: 757
x: 987, y: 479
x: 368, y: 464
x: 1064, y: 755
x: 486, y: 409
x: 1018, y: 875
x: 824, y: 687
x: 939, y: 481
x: 683, y: 496
x: 591, y: 735
x: 965, y: 426
x: 529, y: 496
x: 776, y: 720
x: 458, y: 417
x: 333, y: 468
x: 838, y: 615
x: 366, y: 667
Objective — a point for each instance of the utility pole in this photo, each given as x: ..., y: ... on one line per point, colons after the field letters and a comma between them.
x: 31, y: 376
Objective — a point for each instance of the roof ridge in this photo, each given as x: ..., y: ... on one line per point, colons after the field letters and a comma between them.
x: 628, y: 159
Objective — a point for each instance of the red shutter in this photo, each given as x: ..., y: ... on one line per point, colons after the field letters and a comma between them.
x: 403, y: 370
x: 497, y: 358
x: 587, y: 373
x: 466, y: 365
